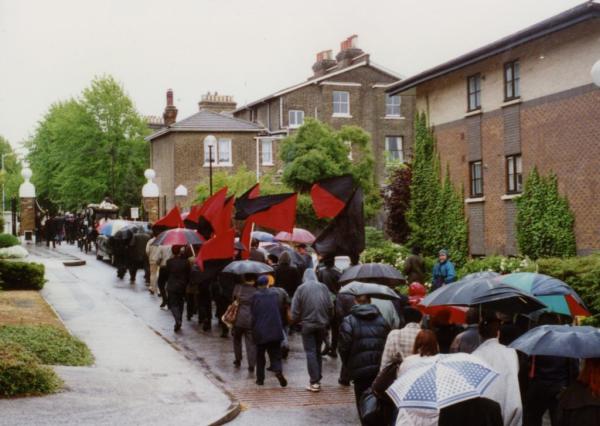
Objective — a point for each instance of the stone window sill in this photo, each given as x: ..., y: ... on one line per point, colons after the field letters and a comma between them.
x: 474, y: 200
x: 341, y: 115
x: 474, y: 112
x: 206, y: 165
x: 267, y: 164
x: 511, y: 102
x: 506, y: 197
x: 394, y: 117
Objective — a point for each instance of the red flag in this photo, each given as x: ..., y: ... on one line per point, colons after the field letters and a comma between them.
x: 210, y: 209
x: 329, y: 196
x: 223, y: 222
x: 218, y: 247
x: 245, y: 238
x: 170, y: 220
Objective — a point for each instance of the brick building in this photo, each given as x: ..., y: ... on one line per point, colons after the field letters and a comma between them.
x: 180, y: 152
x: 525, y: 100
x: 347, y: 90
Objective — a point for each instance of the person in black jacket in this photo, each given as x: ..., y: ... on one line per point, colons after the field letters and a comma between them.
x: 287, y: 276
x: 179, y: 274
x: 329, y: 275
x: 361, y: 342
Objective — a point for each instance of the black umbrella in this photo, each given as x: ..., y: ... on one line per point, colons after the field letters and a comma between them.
x: 378, y: 291
x: 240, y: 267
x: 124, y: 234
x: 279, y: 249
x: 560, y: 340
x: 378, y: 273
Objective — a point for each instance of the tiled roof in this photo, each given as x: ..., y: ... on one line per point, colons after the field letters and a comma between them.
x: 208, y: 121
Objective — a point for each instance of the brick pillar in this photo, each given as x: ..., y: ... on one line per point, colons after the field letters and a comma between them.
x: 27, y: 216
x: 151, y: 209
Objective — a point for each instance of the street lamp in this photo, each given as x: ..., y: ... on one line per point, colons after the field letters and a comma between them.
x: 181, y: 194
x: 596, y: 73
x: 211, y: 142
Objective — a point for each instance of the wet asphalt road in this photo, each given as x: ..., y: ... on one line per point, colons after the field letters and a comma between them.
x: 267, y: 405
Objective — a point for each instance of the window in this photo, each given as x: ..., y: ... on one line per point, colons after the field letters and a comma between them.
x: 392, y: 105
x: 512, y: 80
x: 393, y: 148
x: 476, y: 179
x: 296, y: 118
x: 341, y: 103
x: 474, y: 92
x: 514, y: 174
x: 266, y: 152
x: 221, y: 153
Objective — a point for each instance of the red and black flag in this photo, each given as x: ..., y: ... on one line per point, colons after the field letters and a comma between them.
x: 206, y: 216
x: 329, y: 196
x: 221, y: 246
x: 345, y: 235
x: 169, y: 221
x: 250, y: 194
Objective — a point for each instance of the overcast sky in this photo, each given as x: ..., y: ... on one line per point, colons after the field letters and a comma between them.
x: 51, y: 49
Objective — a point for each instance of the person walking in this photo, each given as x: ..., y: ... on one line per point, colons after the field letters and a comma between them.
x: 400, y: 343
x: 153, y: 255
x: 242, y: 328
x: 505, y: 389
x: 312, y: 306
x: 287, y: 276
x: 443, y: 271
x: 137, y: 256
x: 179, y: 274
x: 362, y: 340
x: 414, y: 266
x: 468, y: 340
x: 164, y: 254
x: 329, y: 275
x: 267, y: 331
x: 306, y: 258
x: 579, y: 404
x: 256, y: 254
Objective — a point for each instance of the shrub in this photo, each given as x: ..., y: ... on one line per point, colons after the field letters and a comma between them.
x: 50, y: 344
x: 22, y: 374
x: 396, y: 197
x: 21, y: 275
x: 500, y: 264
x: 8, y: 240
x: 379, y: 249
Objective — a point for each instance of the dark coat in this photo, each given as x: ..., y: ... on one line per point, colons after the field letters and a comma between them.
x: 473, y: 412
x: 244, y: 293
x: 578, y: 407
x: 330, y: 277
x: 179, y: 274
x: 287, y: 277
x: 361, y: 341
x: 257, y: 255
x: 414, y: 269
x: 137, y: 247
x: 266, y: 317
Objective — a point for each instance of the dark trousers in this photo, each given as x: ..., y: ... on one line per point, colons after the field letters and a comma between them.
x: 163, y: 275
x: 204, y: 306
x: 274, y: 351
x: 190, y: 305
x: 335, y: 332
x: 312, y: 340
x: 541, y: 397
x: 222, y: 303
x: 176, y: 302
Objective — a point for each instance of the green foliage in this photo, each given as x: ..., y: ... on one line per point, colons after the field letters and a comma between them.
x: 8, y: 240
x: 49, y: 344
x: 11, y: 176
x: 87, y: 148
x: 21, y: 373
x: 544, y: 220
x: 396, y: 196
x: 436, y: 214
x: 21, y: 275
x: 316, y: 151
x: 500, y: 264
x: 379, y: 249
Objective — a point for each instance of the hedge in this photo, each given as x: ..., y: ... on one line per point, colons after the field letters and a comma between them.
x: 8, y: 240
x: 22, y: 374
x: 500, y: 264
x: 22, y: 275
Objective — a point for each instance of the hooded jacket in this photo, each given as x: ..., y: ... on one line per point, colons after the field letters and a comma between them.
x: 312, y: 303
x: 361, y: 341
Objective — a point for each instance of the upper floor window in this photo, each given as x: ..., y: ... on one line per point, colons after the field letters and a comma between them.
x: 476, y: 175
x: 295, y: 118
x: 512, y: 80
x: 392, y: 105
x: 267, y: 152
x: 474, y: 92
x: 393, y: 148
x: 341, y: 103
x: 514, y: 174
x: 220, y: 153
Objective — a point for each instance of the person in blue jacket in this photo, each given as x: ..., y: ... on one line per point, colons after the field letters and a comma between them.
x: 443, y: 271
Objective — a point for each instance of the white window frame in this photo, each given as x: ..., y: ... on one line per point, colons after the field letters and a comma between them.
x: 295, y: 123
x: 268, y: 161
x: 400, y: 146
x: 347, y: 103
x: 390, y: 105
x: 217, y: 162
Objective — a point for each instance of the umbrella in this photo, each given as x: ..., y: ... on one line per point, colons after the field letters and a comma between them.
x: 277, y: 249
x: 298, y: 236
x: 560, y: 340
x: 481, y: 274
x: 556, y: 294
x: 379, y: 273
x: 263, y: 237
x: 111, y: 227
x: 483, y: 291
x: 438, y: 381
x: 240, y: 267
x: 458, y: 314
x: 178, y: 237
x: 357, y: 288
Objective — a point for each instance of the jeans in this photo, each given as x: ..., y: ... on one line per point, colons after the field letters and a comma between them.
x: 246, y: 333
x: 285, y: 343
x: 153, y: 277
x: 274, y: 351
x: 176, y: 302
x: 312, y: 340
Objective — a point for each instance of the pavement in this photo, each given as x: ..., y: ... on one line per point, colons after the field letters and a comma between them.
x: 189, y: 374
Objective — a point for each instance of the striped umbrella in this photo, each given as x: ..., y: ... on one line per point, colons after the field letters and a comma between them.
x: 178, y: 237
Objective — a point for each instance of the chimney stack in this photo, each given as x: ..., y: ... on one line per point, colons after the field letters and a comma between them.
x: 217, y: 103
x: 324, y: 62
x: 170, y: 114
x: 348, y: 52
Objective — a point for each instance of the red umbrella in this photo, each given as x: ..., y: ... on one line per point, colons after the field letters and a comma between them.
x: 179, y: 237
x: 299, y: 236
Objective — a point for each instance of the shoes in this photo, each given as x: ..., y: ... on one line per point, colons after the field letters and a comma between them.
x: 177, y: 327
x: 282, y: 380
x: 151, y: 292
x: 206, y: 326
x: 250, y: 369
x: 326, y: 350
x: 163, y: 304
x: 237, y: 363
x: 314, y: 387
x: 189, y: 318
x: 260, y: 382
x: 285, y: 352
x: 269, y: 368
x: 332, y: 353
x: 344, y: 382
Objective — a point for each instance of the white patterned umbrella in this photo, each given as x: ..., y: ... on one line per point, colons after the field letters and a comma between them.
x: 439, y: 381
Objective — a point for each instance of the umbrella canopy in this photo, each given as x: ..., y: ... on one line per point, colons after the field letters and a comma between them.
x: 379, y: 273
x: 556, y: 294
x: 484, y: 291
x: 263, y: 237
x: 438, y: 381
x: 481, y: 274
x: 298, y: 236
x: 277, y: 249
x: 178, y: 237
x: 560, y: 340
x: 458, y: 314
x: 111, y: 227
x: 357, y: 288
x: 240, y: 267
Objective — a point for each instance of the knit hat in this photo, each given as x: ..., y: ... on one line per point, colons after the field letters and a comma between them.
x: 262, y: 281
x: 443, y: 252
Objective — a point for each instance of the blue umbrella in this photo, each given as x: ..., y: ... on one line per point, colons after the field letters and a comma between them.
x: 263, y: 237
x: 560, y: 340
x: 436, y: 382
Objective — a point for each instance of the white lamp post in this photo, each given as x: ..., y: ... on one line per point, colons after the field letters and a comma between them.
x: 181, y: 194
x: 211, y: 142
x: 595, y: 72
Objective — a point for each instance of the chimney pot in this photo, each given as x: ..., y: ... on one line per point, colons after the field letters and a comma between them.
x: 170, y: 97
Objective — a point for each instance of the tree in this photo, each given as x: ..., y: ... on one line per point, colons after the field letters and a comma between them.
x: 316, y: 151
x: 11, y: 176
x: 396, y: 196
x: 544, y: 220
x: 88, y: 148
